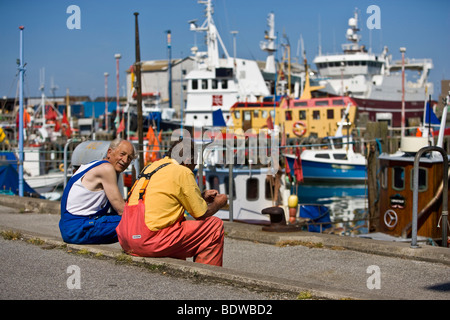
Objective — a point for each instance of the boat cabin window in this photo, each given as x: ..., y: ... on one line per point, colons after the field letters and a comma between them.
x: 237, y: 114
x: 300, y: 103
x: 302, y: 115
x: 225, y: 181
x: 255, y: 114
x: 321, y: 103
x: 272, y: 114
x: 269, y: 191
x: 214, y: 183
x: 214, y: 84
x: 398, y: 178
x: 384, y: 178
x: 330, y: 114
x: 265, y: 114
x: 224, y: 84
x: 204, y: 84
x: 340, y: 156
x: 322, y: 156
x: 288, y: 115
x: 423, y: 179
x: 252, y: 190
x: 338, y: 102
x: 247, y: 115
x: 316, y: 114
x: 194, y: 84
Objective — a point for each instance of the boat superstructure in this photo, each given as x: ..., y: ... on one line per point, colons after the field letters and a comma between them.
x: 218, y: 83
x: 374, y: 80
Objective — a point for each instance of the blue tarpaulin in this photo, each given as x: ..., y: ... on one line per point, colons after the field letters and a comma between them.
x: 9, y: 182
x: 317, y: 214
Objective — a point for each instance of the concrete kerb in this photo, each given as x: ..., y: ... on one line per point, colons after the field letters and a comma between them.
x: 385, y: 248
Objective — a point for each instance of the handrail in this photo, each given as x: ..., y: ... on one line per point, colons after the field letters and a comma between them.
x: 444, y: 215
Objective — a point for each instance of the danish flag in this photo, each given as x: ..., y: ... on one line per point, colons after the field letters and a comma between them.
x: 217, y: 100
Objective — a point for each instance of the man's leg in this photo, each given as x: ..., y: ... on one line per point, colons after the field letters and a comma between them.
x: 201, y: 239
x: 103, y: 230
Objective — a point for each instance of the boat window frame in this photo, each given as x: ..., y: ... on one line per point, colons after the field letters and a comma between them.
x: 340, y: 156
x: 425, y: 187
x: 214, y: 84
x: 288, y: 115
x: 194, y: 84
x: 204, y: 84
x: 316, y: 114
x: 254, y: 189
x: 212, y: 185
x: 330, y: 114
x: 322, y: 156
x: 224, y: 84
x: 393, y: 178
x: 302, y: 115
x: 384, y: 178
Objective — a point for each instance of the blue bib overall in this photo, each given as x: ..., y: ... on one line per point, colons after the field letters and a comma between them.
x: 97, y: 228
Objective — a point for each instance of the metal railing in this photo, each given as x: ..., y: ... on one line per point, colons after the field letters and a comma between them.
x: 444, y: 215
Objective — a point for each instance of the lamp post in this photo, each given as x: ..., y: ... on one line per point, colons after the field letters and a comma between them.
x: 403, y: 50
x: 117, y: 56
x: 21, y: 71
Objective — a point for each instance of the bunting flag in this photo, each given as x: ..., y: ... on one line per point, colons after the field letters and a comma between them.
x: 121, y: 126
x: 298, y: 171
x: 269, y: 122
x: 153, y: 149
x: 430, y: 117
x: 66, y: 123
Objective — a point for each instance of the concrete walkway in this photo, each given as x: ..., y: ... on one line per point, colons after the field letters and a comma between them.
x: 296, y: 263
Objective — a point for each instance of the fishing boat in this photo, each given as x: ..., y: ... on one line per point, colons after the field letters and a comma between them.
x: 335, y: 161
x: 374, y: 81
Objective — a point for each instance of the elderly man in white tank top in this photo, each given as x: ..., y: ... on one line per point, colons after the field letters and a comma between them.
x: 91, y: 193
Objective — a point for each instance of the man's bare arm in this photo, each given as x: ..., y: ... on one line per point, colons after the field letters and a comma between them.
x: 214, y: 205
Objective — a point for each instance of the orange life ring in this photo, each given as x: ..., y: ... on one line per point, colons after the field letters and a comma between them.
x: 299, y: 128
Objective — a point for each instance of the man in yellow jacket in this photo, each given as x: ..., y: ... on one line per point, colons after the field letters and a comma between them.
x: 154, y: 224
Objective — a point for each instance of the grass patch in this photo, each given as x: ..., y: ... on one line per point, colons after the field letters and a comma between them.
x: 123, y: 258
x: 11, y: 235
x: 290, y: 243
x: 305, y: 295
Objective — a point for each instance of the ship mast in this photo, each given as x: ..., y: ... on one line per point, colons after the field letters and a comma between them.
x: 269, y: 45
x: 212, y: 36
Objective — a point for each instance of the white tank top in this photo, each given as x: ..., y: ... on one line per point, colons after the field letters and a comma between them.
x: 83, y: 202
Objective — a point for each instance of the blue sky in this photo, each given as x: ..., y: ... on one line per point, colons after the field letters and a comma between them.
x: 78, y: 59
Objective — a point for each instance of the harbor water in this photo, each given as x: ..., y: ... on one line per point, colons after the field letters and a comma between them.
x: 347, y: 204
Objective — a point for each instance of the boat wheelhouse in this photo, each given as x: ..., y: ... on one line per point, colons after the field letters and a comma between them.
x: 315, y: 117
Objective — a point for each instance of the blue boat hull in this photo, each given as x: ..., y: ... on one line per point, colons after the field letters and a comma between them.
x: 331, y: 171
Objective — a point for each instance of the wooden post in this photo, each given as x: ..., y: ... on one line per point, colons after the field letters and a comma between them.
x: 139, y: 95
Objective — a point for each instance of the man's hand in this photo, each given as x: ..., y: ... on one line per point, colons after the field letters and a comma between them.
x: 210, y: 195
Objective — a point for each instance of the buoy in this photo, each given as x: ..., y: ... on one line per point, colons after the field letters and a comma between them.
x: 293, y: 201
x: 292, y: 204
